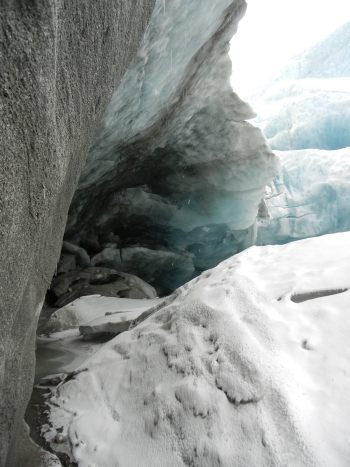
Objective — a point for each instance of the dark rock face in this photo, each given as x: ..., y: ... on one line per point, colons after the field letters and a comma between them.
x: 175, y: 171
x: 60, y: 61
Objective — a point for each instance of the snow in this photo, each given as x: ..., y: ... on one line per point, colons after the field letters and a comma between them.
x: 226, y: 371
x: 310, y: 197
x: 90, y: 307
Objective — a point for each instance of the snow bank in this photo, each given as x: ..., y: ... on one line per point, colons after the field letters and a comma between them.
x: 227, y: 371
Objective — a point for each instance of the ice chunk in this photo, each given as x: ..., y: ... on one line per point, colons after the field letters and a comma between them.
x: 308, y: 113
x: 112, y: 323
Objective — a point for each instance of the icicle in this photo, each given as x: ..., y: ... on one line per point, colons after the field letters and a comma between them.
x: 164, y: 6
x: 171, y: 60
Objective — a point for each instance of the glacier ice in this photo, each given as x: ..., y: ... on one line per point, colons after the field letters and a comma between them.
x: 305, y: 113
x: 175, y: 171
x: 310, y: 197
x: 227, y: 371
x: 307, y: 105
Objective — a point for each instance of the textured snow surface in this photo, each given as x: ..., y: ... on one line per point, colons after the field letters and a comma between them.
x: 175, y: 170
x: 307, y: 105
x: 310, y: 197
x: 227, y: 371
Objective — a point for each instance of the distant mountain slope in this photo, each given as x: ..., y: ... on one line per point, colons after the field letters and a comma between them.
x: 307, y: 105
x: 329, y: 58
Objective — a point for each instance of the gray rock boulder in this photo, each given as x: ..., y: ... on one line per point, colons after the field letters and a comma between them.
x: 166, y: 269
x: 60, y: 62
x: 83, y: 259
x: 66, y: 263
x: 106, y: 282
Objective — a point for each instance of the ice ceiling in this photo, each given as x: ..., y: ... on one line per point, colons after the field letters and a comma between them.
x: 175, y: 175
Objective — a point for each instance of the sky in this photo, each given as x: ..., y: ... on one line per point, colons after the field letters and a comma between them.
x: 274, y: 31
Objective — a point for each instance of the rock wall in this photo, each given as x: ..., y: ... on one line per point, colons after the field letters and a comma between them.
x: 60, y: 62
x: 175, y: 174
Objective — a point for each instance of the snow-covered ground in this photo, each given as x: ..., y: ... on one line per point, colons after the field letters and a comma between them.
x: 61, y: 349
x: 246, y: 365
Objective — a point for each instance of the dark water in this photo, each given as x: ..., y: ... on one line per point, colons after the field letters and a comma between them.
x: 50, y: 361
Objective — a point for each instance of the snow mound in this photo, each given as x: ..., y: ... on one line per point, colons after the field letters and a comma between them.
x: 310, y: 197
x: 227, y: 371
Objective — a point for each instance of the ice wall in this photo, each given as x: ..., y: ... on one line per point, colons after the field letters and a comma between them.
x: 307, y: 105
x: 305, y: 112
x: 175, y: 171
x: 310, y: 197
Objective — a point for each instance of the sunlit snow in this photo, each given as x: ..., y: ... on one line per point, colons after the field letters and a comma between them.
x: 228, y: 370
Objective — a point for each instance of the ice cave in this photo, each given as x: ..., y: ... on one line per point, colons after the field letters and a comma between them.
x: 175, y: 260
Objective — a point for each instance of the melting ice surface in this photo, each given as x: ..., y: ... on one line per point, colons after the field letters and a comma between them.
x: 227, y: 371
